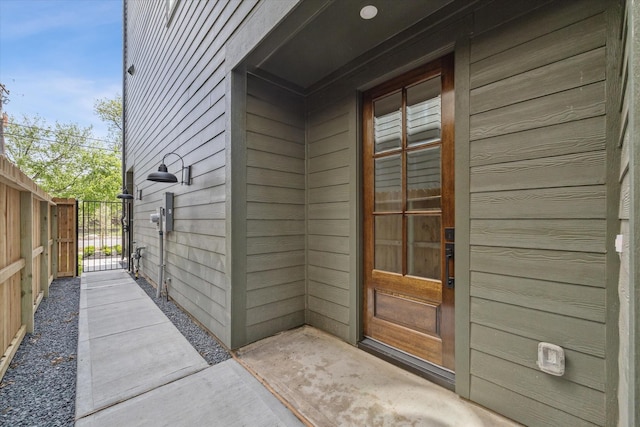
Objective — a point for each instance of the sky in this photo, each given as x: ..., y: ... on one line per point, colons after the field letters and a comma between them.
x: 57, y: 57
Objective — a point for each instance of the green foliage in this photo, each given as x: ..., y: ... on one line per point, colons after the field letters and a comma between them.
x: 80, y: 265
x: 108, y: 250
x: 88, y: 251
x: 63, y: 159
x: 110, y: 112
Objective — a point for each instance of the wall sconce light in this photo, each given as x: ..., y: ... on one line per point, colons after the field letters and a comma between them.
x: 125, y: 195
x: 131, y: 70
x: 164, y: 176
x: 139, y: 191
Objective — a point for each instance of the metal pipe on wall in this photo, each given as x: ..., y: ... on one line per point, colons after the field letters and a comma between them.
x: 126, y: 241
x: 161, y: 245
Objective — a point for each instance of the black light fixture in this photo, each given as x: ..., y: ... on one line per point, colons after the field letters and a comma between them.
x: 164, y: 176
x: 131, y: 70
x: 125, y: 195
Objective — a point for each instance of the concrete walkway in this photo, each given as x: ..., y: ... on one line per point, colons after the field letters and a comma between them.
x: 136, y: 369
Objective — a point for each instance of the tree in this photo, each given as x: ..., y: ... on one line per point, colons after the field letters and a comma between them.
x: 64, y: 159
x: 110, y: 111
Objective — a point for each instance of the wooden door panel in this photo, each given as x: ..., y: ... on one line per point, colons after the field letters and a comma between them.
x: 416, y: 343
x: 415, y: 314
x: 410, y: 286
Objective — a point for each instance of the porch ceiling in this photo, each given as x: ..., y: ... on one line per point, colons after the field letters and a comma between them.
x: 337, y: 35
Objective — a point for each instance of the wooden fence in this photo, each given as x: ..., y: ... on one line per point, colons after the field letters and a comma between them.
x: 28, y: 264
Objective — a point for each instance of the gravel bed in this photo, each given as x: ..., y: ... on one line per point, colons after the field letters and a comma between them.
x: 39, y: 388
x: 205, y: 344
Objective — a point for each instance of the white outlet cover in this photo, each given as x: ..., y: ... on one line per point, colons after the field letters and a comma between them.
x: 619, y: 243
x: 551, y: 359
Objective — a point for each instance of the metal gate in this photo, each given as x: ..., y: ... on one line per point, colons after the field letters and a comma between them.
x: 100, y: 236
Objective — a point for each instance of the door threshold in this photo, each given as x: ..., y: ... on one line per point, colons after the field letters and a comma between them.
x: 422, y: 368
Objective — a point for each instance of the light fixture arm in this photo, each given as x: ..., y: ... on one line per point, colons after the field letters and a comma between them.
x: 174, y: 153
x: 163, y: 175
x: 186, y: 171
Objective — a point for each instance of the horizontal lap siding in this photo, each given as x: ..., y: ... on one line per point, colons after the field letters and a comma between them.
x: 626, y: 382
x: 538, y: 213
x: 329, y: 274
x: 176, y: 103
x: 275, y: 249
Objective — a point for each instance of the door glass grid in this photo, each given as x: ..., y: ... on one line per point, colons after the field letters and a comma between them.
x: 407, y: 182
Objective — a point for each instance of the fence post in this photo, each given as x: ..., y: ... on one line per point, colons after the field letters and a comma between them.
x: 76, y: 262
x: 44, y: 241
x: 26, y: 252
x: 54, y: 238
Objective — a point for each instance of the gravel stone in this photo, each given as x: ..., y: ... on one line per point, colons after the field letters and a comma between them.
x: 39, y: 388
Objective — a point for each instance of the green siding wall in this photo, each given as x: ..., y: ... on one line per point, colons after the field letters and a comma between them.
x: 275, y: 243
x: 329, y: 208
x: 624, y: 104
x: 176, y: 103
x: 538, y: 213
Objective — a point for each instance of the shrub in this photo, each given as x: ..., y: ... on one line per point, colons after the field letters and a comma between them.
x: 88, y: 251
x: 106, y: 250
x: 118, y: 249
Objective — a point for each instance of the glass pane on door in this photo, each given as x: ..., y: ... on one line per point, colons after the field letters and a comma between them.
x: 388, y: 243
x: 387, y: 123
x: 424, y: 189
x: 424, y: 119
x: 388, y: 183
x: 423, y: 246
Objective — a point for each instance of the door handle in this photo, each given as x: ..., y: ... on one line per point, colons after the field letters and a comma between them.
x: 449, y: 253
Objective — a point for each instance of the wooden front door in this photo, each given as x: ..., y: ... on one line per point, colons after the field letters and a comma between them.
x: 409, y: 212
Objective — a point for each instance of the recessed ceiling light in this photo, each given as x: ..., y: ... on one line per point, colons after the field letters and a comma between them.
x: 368, y: 12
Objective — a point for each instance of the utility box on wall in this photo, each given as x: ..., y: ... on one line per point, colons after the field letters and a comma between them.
x: 168, y: 211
